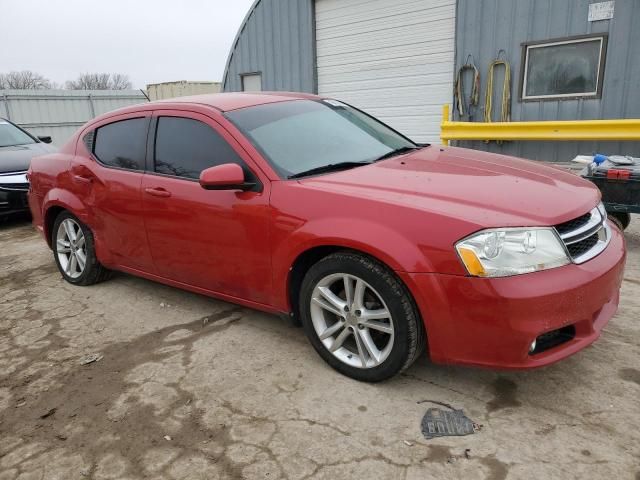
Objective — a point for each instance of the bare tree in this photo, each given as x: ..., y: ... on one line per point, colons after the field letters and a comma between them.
x: 26, y: 79
x: 120, y: 81
x: 100, y: 81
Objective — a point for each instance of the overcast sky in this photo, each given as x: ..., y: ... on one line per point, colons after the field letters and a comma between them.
x: 150, y: 40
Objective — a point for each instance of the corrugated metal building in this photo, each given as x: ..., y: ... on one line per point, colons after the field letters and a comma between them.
x: 59, y: 113
x: 276, y: 46
x: 397, y: 60
x: 487, y: 26
x: 160, y: 91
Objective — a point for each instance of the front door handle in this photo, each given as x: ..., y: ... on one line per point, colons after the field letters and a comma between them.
x: 158, y: 192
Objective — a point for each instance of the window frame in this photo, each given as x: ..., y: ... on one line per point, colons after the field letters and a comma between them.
x: 524, y: 64
x: 211, y: 123
x: 109, y: 121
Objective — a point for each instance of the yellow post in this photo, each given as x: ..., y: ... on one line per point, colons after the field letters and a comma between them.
x: 445, y: 119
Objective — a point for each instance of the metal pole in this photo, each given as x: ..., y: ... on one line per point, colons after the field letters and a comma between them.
x: 6, y: 105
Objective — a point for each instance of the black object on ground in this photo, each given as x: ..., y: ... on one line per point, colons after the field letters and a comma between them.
x: 441, y: 423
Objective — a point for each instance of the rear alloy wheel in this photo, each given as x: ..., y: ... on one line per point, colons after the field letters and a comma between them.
x: 71, y: 248
x: 74, y: 251
x: 359, y: 317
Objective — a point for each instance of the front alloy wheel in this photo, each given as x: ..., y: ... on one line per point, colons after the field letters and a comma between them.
x: 352, y: 320
x: 359, y: 317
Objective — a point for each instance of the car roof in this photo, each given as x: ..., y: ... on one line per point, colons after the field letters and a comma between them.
x: 235, y: 100
x: 223, y: 102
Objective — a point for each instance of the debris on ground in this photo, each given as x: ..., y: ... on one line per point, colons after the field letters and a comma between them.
x: 91, y: 358
x: 408, y: 443
x: 467, y: 453
x: 50, y: 412
x: 441, y: 423
x: 167, y: 438
x: 436, y: 402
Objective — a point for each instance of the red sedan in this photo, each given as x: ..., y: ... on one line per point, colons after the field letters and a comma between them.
x: 305, y: 206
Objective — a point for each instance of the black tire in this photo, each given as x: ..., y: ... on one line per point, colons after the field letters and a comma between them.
x: 93, y: 272
x: 409, y: 335
x: 621, y: 219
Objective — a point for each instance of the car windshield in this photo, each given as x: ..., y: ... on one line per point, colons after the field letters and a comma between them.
x: 11, y: 135
x: 301, y: 136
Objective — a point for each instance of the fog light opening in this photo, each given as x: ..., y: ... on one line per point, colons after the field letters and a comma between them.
x: 552, y: 339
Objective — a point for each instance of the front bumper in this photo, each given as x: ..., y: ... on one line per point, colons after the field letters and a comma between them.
x: 492, y: 322
x: 13, y: 202
x: 14, y: 188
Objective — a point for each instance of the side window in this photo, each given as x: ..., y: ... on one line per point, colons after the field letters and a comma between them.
x: 185, y: 147
x: 122, y: 144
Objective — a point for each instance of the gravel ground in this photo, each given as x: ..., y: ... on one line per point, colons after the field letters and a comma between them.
x: 191, y: 387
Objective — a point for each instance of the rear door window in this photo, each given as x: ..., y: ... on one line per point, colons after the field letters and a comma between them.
x: 122, y: 144
x: 185, y: 147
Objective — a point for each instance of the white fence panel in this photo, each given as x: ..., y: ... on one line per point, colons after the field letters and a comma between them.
x: 59, y: 113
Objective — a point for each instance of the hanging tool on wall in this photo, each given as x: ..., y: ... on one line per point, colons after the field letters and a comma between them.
x: 505, y: 112
x: 474, y: 95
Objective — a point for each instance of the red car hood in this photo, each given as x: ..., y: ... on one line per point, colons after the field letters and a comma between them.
x: 484, y: 188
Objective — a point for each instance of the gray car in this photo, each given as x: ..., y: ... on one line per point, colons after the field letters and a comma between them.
x: 17, y: 148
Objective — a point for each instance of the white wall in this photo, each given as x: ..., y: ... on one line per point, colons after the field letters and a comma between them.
x: 392, y: 58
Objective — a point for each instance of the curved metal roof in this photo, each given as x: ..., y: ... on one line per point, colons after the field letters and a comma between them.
x: 235, y: 41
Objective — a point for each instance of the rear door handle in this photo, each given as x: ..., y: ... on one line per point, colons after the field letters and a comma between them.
x: 158, y: 192
x: 82, y: 179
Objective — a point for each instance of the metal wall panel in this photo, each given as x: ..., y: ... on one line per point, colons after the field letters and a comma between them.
x: 275, y: 39
x: 391, y: 58
x: 59, y: 113
x: 486, y: 26
x: 160, y: 91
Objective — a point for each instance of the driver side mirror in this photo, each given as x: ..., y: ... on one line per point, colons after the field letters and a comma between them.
x: 45, y: 139
x: 228, y: 176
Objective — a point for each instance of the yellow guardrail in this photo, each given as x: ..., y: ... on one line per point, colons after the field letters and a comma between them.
x: 616, y: 130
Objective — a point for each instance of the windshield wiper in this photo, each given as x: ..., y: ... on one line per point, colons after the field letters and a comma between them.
x: 397, y: 151
x: 332, y: 167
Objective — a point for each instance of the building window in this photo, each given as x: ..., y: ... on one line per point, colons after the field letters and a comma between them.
x: 567, y: 68
x: 251, y: 82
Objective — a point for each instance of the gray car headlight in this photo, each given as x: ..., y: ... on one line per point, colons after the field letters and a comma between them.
x: 511, y: 251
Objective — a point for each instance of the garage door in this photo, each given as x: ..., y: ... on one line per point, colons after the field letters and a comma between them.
x: 392, y: 58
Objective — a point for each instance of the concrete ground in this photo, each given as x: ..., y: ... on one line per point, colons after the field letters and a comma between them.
x: 190, y: 387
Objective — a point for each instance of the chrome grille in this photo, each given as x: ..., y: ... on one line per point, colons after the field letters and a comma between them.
x: 573, y: 224
x: 586, y: 236
x: 14, y: 182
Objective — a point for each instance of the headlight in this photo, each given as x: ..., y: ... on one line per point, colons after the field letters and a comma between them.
x: 603, y: 212
x: 511, y: 251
